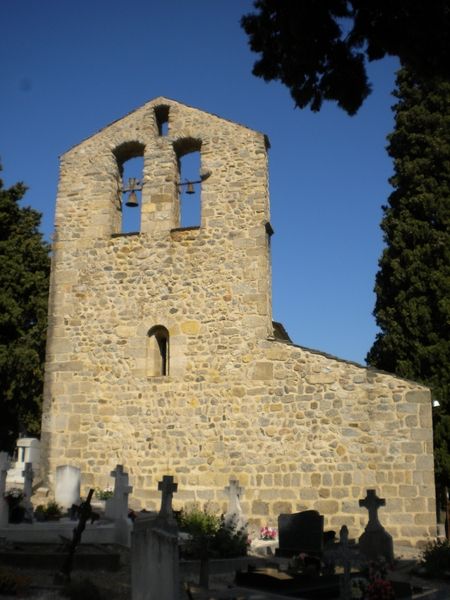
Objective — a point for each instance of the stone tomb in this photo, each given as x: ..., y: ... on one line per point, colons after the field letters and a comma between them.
x: 28, y: 450
x: 154, y: 551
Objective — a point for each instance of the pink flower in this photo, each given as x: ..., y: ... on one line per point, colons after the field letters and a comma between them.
x: 268, y: 533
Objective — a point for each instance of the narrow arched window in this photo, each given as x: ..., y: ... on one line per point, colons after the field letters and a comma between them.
x: 158, y: 351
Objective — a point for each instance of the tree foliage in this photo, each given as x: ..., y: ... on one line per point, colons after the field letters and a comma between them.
x: 24, y: 278
x: 319, y: 48
x: 413, y: 283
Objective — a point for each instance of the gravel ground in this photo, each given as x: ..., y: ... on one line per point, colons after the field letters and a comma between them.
x: 116, y: 585
x: 40, y: 583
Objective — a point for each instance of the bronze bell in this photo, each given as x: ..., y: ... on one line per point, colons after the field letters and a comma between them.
x: 132, y: 200
x: 190, y: 188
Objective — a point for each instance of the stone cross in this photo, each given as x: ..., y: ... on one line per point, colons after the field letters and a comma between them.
x: 375, y: 541
x: 234, y: 491
x: 121, y: 491
x: 372, y: 503
x: 168, y: 489
x: 4, y: 508
x: 235, y: 515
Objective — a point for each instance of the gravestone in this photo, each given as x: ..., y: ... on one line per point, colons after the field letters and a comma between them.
x: 4, y: 508
x: 28, y: 475
x: 154, y: 551
x: 375, y: 541
x: 300, y: 532
x: 67, y: 486
x: 117, y: 507
x: 168, y: 489
x: 345, y: 558
x: 235, y: 515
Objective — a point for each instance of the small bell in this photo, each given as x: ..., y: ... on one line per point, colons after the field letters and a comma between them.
x: 132, y: 200
x: 190, y: 188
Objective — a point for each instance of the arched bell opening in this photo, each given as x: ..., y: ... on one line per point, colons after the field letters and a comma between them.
x: 188, y: 152
x: 130, y: 173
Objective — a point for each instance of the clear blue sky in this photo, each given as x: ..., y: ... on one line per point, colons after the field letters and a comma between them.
x: 68, y: 68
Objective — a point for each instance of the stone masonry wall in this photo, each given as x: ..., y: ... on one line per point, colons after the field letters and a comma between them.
x: 300, y: 430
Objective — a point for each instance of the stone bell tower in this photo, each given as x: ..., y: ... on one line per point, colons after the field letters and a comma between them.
x: 137, y: 319
x: 162, y: 355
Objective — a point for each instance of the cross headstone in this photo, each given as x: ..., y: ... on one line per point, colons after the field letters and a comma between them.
x: 372, y: 503
x: 117, y: 506
x: 234, y: 491
x: 234, y: 514
x: 375, y: 541
x: 4, y: 508
x: 168, y: 489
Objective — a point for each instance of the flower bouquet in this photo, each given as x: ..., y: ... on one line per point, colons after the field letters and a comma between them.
x: 268, y: 533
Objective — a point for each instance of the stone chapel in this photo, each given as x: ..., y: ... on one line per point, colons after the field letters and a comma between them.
x: 162, y: 354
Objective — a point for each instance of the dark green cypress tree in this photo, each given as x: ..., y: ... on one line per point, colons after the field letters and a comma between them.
x: 24, y: 280
x: 413, y: 284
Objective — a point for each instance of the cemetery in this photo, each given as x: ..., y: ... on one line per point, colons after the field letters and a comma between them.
x: 163, y: 356
x: 189, y: 449
x: 172, y: 553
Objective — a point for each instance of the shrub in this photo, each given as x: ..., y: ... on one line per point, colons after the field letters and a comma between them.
x: 13, y: 497
x: 104, y: 494
x: 198, y: 522
x: 50, y: 511
x: 436, y: 558
x: 210, y: 535
x: 229, y: 541
x: 53, y: 510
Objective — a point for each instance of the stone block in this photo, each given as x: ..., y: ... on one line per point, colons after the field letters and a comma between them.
x: 421, y: 397
x: 327, y: 507
x: 262, y: 370
x: 190, y: 327
x: 321, y: 378
x: 260, y: 508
